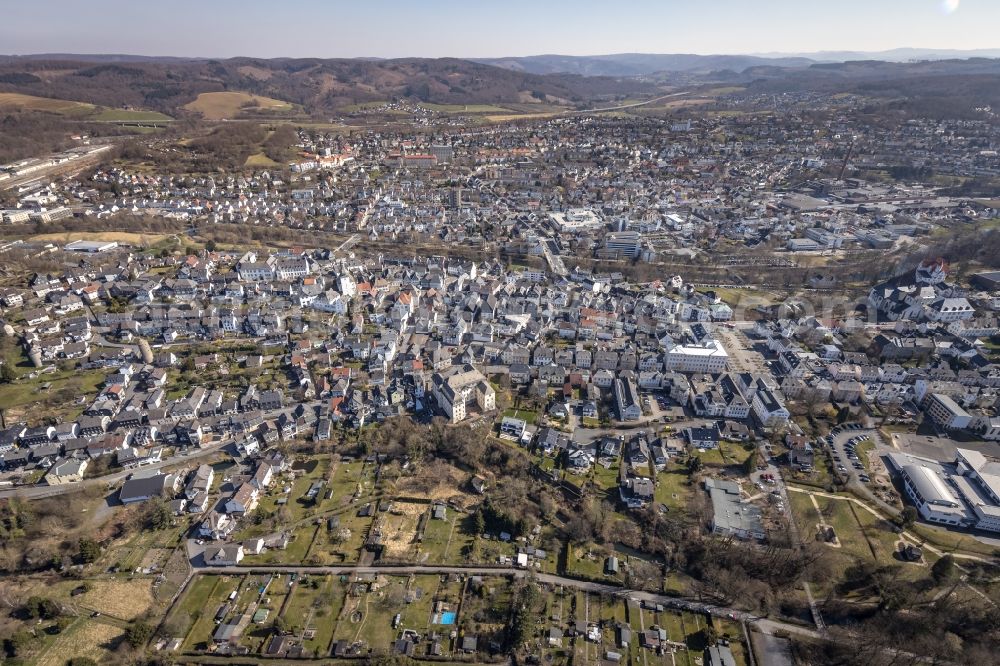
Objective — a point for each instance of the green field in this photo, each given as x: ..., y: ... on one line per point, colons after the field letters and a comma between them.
x: 124, y: 115
x: 229, y: 104
x: 673, y: 489
x: 465, y: 108
x: 528, y: 416
x: 259, y: 161
x: 315, y: 609
x: 49, y: 393
x: 62, y: 107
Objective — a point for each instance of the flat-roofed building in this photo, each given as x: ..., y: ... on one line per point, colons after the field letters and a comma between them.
x: 731, y: 516
x: 947, y: 413
x: 575, y: 219
x: 92, y: 247
x: 706, y: 357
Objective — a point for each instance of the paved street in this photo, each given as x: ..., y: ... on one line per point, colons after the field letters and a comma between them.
x: 41, y: 491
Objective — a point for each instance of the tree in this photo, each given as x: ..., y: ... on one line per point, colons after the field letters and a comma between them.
x: 157, y: 514
x: 137, y: 633
x: 710, y: 634
x: 211, y: 246
x: 944, y: 570
x: 907, y: 517
x: 479, y: 523
x: 20, y: 642
x: 90, y: 550
x: 7, y: 374
x: 41, y: 608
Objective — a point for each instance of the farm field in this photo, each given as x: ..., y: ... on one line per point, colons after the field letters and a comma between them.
x: 223, y: 105
x: 129, y: 115
x: 502, y: 118
x: 65, y: 107
x: 465, y: 108
x: 79, y: 110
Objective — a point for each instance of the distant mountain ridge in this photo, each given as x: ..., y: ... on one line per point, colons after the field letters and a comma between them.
x: 319, y: 86
x: 892, y: 55
x: 613, y: 65
x: 639, y: 64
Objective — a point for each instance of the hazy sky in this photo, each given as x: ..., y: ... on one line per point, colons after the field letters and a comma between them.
x: 481, y: 28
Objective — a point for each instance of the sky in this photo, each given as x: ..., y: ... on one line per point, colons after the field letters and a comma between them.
x: 484, y: 28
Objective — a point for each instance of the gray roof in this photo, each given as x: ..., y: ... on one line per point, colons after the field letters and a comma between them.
x: 929, y: 485
x: 730, y: 513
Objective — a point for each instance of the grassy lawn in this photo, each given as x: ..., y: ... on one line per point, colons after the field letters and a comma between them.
x: 864, y: 450
x: 193, y: 605
x: 369, y: 617
x: 734, y: 453
x: 223, y: 105
x: 606, y: 478
x: 49, y: 394
x: 672, y: 488
x: 820, y: 476
x: 734, y: 633
x: 204, y: 614
x: 63, y: 107
x: 418, y: 611
x: 259, y: 161
x: 315, y: 608
x: 465, y: 108
x: 710, y: 457
x: 123, y: 115
x: 952, y: 541
x: 838, y: 514
x: 880, y: 535
x: 444, y: 540
x: 128, y: 237
x: 588, y: 562
x: 528, y: 417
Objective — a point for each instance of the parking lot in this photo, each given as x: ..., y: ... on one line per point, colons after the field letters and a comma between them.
x: 742, y: 356
x: 845, y: 457
x: 869, y: 476
x: 938, y: 447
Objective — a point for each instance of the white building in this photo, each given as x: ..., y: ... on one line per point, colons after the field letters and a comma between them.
x: 627, y: 400
x: 706, y: 357
x: 946, y: 412
x: 457, y: 390
x: 575, y: 219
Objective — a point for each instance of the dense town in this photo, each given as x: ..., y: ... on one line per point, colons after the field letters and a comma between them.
x: 459, y: 390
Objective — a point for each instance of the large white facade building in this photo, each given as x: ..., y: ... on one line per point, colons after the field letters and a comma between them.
x: 708, y: 356
x: 459, y: 389
x: 963, y: 494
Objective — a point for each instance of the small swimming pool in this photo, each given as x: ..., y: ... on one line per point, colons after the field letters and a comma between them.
x: 447, y: 617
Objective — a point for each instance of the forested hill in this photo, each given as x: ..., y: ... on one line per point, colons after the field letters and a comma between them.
x: 318, y: 86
